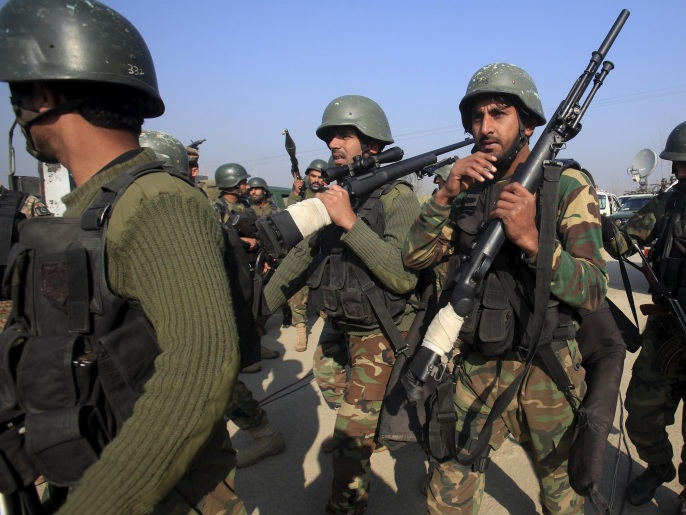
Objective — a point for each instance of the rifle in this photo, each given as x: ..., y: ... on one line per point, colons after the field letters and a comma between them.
x: 564, y: 124
x: 280, y: 232
x: 665, y: 304
x: 195, y: 144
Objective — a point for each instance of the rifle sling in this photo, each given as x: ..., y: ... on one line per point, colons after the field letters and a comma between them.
x: 546, y: 246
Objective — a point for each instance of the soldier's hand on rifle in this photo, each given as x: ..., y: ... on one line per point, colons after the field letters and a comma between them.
x: 250, y: 242
x: 516, y: 207
x: 476, y: 167
x: 298, y: 185
x: 337, y: 203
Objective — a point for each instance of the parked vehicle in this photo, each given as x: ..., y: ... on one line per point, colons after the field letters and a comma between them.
x: 609, y: 204
x: 632, y: 204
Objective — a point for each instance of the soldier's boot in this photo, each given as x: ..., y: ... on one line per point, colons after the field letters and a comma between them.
x: 252, y: 369
x: 642, y: 488
x: 267, y: 441
x: 301, y: 340
x: 266, y: 353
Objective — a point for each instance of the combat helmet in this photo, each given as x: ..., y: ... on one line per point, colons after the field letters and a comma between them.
x: 675, y: 148
x: 168, y: 148
x: 230, y: 175
x: 318, y: 164
x: 356, y: 111
x: 505, y: 79
x: 76, y: 40
x: 259, y: 182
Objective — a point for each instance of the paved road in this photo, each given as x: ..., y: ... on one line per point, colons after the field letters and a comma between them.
x: 298, y: 481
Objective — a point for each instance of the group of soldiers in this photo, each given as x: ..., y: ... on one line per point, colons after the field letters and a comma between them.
x: 120, y: 368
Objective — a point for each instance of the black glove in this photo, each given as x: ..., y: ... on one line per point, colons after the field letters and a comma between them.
x: 424, y: 364
x: 608, y: 228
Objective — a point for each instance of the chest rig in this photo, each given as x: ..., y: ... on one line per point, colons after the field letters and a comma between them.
x: 669, y: 253
x: 74, y: 356
x: 339, y: 281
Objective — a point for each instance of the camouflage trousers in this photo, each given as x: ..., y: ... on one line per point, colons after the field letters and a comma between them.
x: 5, y: 310
x: 298, y: 305
x: 539, y: 418
x: 243, y: 410
x: 370, y: 360
x: 653, y: 397
x: 207, y: 487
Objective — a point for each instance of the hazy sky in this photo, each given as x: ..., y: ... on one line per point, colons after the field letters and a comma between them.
x: 238, y: 73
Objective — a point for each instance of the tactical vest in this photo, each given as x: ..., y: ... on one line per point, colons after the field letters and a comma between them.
x: 670, y: 249
x: 74, y: 357
x: 495, y: 327
x: 336, y: 275
x: 10, y: 216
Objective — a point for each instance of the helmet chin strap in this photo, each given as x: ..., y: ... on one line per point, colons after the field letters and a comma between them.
x: 505, y: 161
x: 27, y: 119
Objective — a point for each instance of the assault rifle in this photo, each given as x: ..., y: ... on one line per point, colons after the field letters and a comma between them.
x: 282, y: 231
x: 665, y: 304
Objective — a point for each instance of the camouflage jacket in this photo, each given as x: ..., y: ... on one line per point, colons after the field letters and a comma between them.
x: 579, y: 273
x: 644, y: 226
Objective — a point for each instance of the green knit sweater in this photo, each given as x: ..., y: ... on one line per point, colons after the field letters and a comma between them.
x: 381, y: 255
x: 160, y: 231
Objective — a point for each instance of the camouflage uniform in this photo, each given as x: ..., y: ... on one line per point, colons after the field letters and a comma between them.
x: 656, y: 385
x: 538, y: 417
x: 366, y: 351
x: 31, y: 207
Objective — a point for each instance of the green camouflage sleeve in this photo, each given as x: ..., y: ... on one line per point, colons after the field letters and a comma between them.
x: 430, y: 235
x: 639, y: 229
x: 579, y: 272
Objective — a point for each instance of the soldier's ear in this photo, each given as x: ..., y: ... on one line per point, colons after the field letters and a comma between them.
x: 374, y: 146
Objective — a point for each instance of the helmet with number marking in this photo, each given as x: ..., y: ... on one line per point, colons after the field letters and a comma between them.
x: 76, y: 40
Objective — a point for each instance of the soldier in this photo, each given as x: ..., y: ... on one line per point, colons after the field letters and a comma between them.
x: 232, y: 181
x: 362, y: 245
x: 193, y: 167
x: 500, y: 109
x: 82, y: 81
x: 14, y: 207
x: 314, y: 182
x: 260, y: 197
x: 658, y: 376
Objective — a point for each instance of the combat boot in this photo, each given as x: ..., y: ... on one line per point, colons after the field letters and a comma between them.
x: 267, y: 441
x: 267, y: 353
x: 301, y: 341
x: 642, y: 488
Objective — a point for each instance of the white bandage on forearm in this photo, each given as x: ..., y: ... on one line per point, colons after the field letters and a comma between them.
x: 309, y: 215
x: 443, y: 331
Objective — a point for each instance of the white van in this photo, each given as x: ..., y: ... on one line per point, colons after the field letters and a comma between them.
x: 608, y: 203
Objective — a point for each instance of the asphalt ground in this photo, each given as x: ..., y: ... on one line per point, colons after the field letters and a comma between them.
x: 298, y: 480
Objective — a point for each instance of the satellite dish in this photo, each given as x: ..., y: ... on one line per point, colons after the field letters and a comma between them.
x: 642, y: 165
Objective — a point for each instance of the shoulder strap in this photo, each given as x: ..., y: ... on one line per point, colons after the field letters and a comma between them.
x: 95, y: 216
x: 10, y: 204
